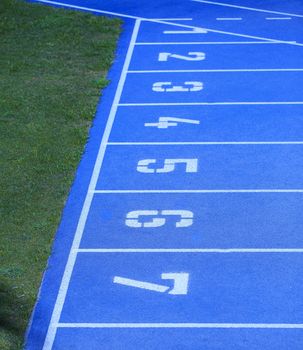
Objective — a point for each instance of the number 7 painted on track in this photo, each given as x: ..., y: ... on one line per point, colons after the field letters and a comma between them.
x: 166, y: 122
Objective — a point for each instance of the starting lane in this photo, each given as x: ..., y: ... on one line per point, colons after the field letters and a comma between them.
x: 228, y: 123
x: 219, y: 220
x: 189, y: 236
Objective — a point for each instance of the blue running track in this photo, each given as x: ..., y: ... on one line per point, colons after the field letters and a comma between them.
x: 183, y: 229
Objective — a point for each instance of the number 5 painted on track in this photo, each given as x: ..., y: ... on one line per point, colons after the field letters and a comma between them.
x: 191, y: 165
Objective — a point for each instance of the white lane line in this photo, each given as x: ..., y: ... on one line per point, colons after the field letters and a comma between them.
x: 248, y: 8
x: 184, y: 325
x: 247, y: 36
x: 192, y: 250
x: 110, y: 13
x: 213, y: 43
x: 172, y: 19
x: 211, y: 143
x: 209, y: 103
x: 217, y: 70
x: 203, y: 191
x: 225, y: 32
x: 51, y: 333
x: 278, y: 18
x: 229, y: 19
x: 164, y: 22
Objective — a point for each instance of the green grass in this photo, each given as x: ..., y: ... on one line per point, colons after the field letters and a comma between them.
x: 53, y: 64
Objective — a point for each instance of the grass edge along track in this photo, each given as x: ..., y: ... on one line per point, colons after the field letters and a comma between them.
x: 53, y: 65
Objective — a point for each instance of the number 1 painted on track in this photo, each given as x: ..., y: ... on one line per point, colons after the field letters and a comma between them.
x: 166, y: 122
x: 195, y: 30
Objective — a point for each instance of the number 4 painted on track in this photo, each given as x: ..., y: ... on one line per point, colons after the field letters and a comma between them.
x: 166, y: 122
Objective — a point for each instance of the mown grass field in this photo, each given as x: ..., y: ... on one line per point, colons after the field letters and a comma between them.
x: 53, y: 65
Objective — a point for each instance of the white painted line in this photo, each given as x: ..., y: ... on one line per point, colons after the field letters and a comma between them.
x: 172, y: 19
x: 51, y: 333
x: 278, y: 18
x: 110, y: 13
x: 248, y: 8
x: 210, y: 103
x: 186, y: 32
x: 83, y: 8
x: 205, y: 143
x: 164, y: 22
x: 140, y: 284
x: 184, y: 325
x: 217, y: 70
x: 192, y: 250
x: 203, y: 191
x: 229, y: 19
x: 214, y: 43
x: 246, y: 36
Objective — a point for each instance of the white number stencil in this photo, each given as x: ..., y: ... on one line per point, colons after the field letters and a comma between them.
x: 191, y: 31
x: 167, y: 86
x: 191, y: 56
x: 157, y: 218
x: 191, y: 166
x: 166, y: 122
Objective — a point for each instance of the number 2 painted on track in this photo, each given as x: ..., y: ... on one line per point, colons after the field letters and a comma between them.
x: 191, y: 56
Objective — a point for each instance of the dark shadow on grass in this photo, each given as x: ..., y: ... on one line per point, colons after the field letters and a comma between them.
x: 10, y: 306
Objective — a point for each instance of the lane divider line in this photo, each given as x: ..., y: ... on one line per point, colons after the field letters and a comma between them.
x: 214, y: 43
x: 229, y: 19
x: 192, y: 250
x: 164, y: 22
x: 52, y: 329
x: 216, y: 70
x: 247, y: 8
x: 203, y: 191
x: 171, y: 19
x: 211, y: 103
x: 184, y: 325
x: 277, y: 18
x: 205, y: 143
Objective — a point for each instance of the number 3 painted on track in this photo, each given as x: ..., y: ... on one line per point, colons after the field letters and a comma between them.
x: 134, y: 218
